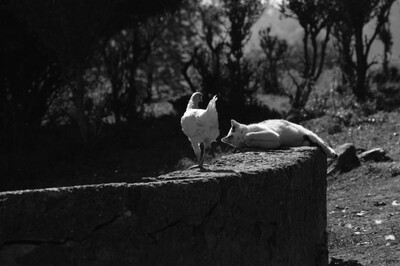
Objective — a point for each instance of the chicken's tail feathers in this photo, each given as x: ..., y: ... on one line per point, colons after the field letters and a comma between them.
x: 212, y: 104
x: 211, y: 114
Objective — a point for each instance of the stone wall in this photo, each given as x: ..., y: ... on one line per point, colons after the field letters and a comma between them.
x: 254, y: 208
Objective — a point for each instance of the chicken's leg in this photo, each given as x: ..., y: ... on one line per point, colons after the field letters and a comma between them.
x: 197, y: 151
x: 203, y: 156
x: 200, y: 152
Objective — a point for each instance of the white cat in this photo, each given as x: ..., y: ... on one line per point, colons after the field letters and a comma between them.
x: 272, y: 134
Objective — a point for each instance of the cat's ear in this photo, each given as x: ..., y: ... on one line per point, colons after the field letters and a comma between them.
x: 234, y: 123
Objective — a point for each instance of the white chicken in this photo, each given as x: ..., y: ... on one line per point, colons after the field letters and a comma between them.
x: 200, y: 126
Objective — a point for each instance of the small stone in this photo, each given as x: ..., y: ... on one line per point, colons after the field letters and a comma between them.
x: 376, y: 155
x: 346, y: 161
x: 379, y: 203
x: 390, y: 237
x: 128, y: 213
x: 366, y: 243
x: 361, y: 213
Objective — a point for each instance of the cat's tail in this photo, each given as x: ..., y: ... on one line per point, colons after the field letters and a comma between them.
x: 313, y: 138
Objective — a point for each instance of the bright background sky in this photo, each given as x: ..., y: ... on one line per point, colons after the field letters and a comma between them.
x: 290, y: 30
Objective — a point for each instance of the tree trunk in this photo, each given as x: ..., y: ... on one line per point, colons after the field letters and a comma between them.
x: 116, y: 87
x: 303, y: 91
x: 78, y: 97
x: 237, y: 90
x: 360, y: 90
x: 296, y: 100
x: 131, y: 97
x: 116, y: 106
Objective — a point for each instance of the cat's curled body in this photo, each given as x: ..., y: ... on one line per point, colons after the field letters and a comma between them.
x: 273, y: 134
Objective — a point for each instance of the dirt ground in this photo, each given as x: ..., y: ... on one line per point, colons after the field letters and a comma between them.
x: 364, y: 204
x: 364, y: 214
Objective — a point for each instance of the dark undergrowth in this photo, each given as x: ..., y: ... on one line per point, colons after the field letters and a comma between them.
x: 125, y: 152
x: 121, y: 153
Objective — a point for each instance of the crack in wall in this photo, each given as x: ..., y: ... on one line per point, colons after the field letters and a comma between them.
x: 153, y: 235
x: 66, y: 240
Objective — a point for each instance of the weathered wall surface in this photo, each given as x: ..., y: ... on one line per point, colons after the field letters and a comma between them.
x: 254, y: 208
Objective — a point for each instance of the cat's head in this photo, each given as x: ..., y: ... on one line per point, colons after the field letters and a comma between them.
x: 235, y: 135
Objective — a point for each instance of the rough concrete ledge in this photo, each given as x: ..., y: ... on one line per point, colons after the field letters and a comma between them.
x: 254, y: 208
